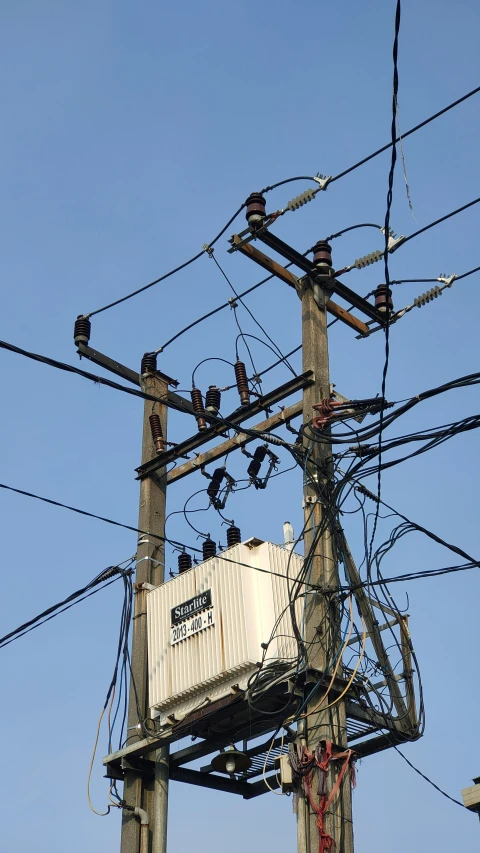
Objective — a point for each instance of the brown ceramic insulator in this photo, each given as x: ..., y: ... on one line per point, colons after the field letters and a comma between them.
x: 81, y: 330
x: 212, y: 400
x: 197, y: 403
x: 255, y: 208
x: 157, y: 432
x: 184, y: 562
x: 209, y: 548
x: 149, y: 363
x: 242, y: 382
x: 234, y: 537
x: 383, y: 299
x: 322, y: 254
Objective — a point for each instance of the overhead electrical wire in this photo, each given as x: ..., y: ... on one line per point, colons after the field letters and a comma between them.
x: 251, y: 314
x: 437, y: 788
x: 407, y: 133
x: 171, y: 272
x: 275, y: 186
x: 385, y: 254
x: 93, y: 515
x: 105, y: 578
x: 438, y: 221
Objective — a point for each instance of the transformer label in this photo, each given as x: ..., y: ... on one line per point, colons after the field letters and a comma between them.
x: 192, y: 606
x: 192, y: 626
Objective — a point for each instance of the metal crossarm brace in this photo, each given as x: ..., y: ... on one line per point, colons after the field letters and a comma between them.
x: 236, y: 418
x: 304, y: 264
x: 289, y: 278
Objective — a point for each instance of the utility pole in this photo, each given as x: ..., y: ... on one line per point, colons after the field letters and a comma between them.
x: 139, y: 791
x: 321, y: 621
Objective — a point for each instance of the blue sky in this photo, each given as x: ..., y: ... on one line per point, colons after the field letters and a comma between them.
x: 130, y: 134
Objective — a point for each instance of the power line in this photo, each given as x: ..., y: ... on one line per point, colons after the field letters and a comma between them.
x: 430, y: 280
x: 385, y: 258
x: 411, y: 576
x: 427, y: 779
x: 93, y: 515
x: 211, y: 313
x: 404, y: 135
x: 252, y: 315
x: 437, y: 221
x: 167, y: 274
x: 110, y: 574
x: 272, y: 187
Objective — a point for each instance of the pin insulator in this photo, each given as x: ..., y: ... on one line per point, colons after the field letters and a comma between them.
x: 212, y: 400
x: 148, y: 363
x: 215, y: 483
x: 255, y: 208
x: 322, y: 254
x: 256, y: 462
x: 81, y: 330
x: 197, y: 403
x: 234, y: 537
x: 209, y: 548
x: 383, y: 299
x: 242, y: 382
x: 157, y: 432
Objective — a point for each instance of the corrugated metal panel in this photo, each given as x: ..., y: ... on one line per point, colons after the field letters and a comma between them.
x: 246, y: 605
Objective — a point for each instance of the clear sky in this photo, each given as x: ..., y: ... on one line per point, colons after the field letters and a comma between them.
x: 130, y: 133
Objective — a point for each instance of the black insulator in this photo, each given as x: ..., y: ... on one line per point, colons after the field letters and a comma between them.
x: 212, y: 400
x: 81, y: 330
x: 234, y: 537
x: 215, y: 483
x: 257, y: 460
x: 197, y: 403
x: 255, y: 208
x: 322, y: 254
x: 209, y: 548
x: 184, y: 562
x: 157, y: 432
x: 383, y: 299
x: 149, y: 363
x: 242, y: 382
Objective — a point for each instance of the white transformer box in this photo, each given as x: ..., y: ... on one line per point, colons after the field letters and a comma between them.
x: 206, y: 626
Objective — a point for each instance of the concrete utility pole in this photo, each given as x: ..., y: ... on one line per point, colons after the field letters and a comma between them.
x: 321, y: 625
x: 150, y: 795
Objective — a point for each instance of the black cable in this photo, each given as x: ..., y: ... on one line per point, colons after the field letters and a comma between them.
x: 404, y: 135
x: 212, y: 358
x: 465, y: 274
x: 168, y: 274
x: 431, y: 280
x: 427, y: 779
x: 252, y: 315
x: 437, y: 221
x: 410, y: 576
x: 385, y: 255
x: 74, y: 598
x: 287, y: 181
x: 212, y: 312
x: 352, y: 228
x: 280, y: 360
x: 68, y: 368
x: 98, y: 517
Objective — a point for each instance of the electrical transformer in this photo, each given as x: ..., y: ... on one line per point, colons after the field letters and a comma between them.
x: 207, y: 625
